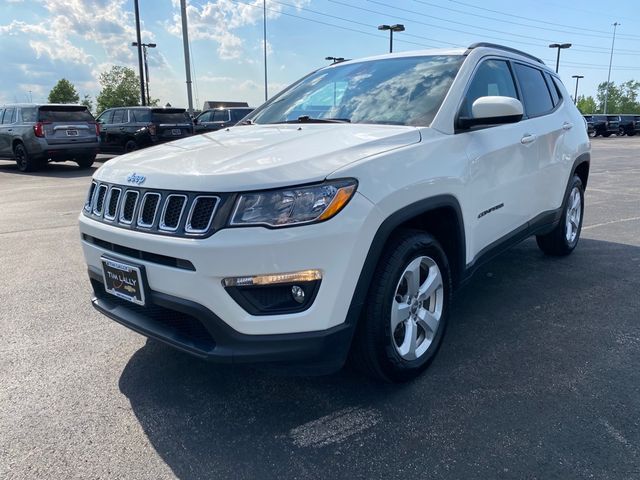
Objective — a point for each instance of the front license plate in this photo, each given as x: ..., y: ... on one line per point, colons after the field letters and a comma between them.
x: 176, y: 131
x: 123, y: 280
x: 72, y: 133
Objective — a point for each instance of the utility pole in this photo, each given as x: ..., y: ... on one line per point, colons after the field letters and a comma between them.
x: 264, y: 42
x: 187, y: 60
x: 606, y: 91
x: 141, y: 72
x: 575, y: 95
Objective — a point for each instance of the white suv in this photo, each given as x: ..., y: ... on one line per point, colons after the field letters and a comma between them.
x: 343, y: 213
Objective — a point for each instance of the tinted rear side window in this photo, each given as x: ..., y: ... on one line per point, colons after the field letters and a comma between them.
x: 29, y: 114
x: 537, y: 99
x: 119, y: 116
x: 64, y: 114
x: 170, y: 116
x: 140, y: 116
x: 238, y: 115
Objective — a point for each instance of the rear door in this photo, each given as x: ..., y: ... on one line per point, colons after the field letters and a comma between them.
x: 65, y: 124
x: 548, y: 120
x: 171, y: 123
x: 117, y: 129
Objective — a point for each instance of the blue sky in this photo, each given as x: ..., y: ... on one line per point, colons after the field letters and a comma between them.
x: 41, y: 42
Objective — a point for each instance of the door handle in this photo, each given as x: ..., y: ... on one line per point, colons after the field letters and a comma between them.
x: 528, y: 139
x: 567, y: 126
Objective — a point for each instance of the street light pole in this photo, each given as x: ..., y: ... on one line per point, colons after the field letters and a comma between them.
x: 187, y: 59
x: 264, y: 42
x: 335, y: 59
x: 146, y: 65
x: 139, y: 42
x: 606, y: 92
x: 392, y: 28
x: 559, y: 46
x: 575, y: 95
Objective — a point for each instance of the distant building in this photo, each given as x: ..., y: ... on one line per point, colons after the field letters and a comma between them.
x: 215, y: 104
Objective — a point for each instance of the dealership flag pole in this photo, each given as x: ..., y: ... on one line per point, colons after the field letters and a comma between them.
x: 143, y: 97
x: 187, y: 60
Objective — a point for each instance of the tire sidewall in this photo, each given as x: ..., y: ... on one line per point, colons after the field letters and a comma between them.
x: 393, y: 365
x: 23, y: 165
x: 575, y: 182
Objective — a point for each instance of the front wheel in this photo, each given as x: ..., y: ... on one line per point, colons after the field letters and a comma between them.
x: 606, y: 134
x: 406, y: 310
x: 130, y: 146
x: 564, y: 237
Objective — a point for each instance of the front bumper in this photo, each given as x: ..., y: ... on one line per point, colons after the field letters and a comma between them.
x: 337, y: 248
x: 194, y: 329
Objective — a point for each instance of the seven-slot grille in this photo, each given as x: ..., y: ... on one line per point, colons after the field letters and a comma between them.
x: 156, y: 211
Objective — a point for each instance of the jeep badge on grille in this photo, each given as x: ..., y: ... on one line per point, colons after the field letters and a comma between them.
x: 135, y: 178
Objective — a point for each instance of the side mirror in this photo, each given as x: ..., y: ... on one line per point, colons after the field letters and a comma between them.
x: 492, y: 111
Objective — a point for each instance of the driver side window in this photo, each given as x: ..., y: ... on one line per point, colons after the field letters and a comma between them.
x: 492, y: 78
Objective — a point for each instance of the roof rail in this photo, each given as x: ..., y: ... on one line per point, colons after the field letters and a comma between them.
x: 502, y: 47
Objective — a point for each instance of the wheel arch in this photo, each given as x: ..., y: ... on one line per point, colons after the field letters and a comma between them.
x: 15, y: 142
x: 581, y: 168
x: 440, y: 216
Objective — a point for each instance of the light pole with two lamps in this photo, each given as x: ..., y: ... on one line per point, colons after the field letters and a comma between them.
x: 392, y: 28
x: 146, y: 65
x: 559, y: 46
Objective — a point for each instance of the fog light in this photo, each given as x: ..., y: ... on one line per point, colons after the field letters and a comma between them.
x: 298, y: 293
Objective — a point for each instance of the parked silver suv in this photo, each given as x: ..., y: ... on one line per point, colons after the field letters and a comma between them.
x: 35, y: 134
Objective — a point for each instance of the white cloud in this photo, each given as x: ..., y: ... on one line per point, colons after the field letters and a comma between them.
x: 217, y: 20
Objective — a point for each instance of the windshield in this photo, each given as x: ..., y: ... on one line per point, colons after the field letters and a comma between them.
x: 393, y: 91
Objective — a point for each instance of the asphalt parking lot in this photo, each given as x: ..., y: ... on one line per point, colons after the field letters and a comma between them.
x: 538, y: 377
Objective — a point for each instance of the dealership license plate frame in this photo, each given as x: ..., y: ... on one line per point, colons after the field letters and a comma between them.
x: 134, y: 292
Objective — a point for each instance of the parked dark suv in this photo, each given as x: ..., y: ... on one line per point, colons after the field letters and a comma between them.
x: 34, y: 134
x: 606, y: 125
x: 591, y: 129
x: 629, y: 124
x: 217, y: 118
x: 128, y: 128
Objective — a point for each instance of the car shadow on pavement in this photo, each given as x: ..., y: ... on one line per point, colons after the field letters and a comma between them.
x: 58, y: 169
x: 540, y: 354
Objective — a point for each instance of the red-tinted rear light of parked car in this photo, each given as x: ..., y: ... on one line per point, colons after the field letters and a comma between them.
x: 97, y: 129
x: 38, y: 129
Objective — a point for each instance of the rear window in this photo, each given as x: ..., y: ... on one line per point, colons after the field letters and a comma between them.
x: 537, y: 99
x: 170, y: 116
x: 140, y: 115
x: 64, y: 114
x: 239, y: 114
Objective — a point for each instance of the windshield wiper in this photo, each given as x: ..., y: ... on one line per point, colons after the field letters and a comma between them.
x: 308, y: 119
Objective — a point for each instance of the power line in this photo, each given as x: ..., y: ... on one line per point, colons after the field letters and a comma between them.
x: 606, y: 35
x: 604, y: 49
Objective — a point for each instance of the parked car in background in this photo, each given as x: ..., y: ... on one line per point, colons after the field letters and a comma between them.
x: 129, y: 128
x: 591, y: 129
x: 35, y: 134
x: 217, y: 118
x: 629, y: 125
x: 606, y: 125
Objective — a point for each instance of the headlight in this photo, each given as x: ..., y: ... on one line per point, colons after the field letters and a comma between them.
x: 293, y: 206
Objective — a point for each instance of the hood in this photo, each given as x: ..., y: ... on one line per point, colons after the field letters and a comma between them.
x: 256, y: 157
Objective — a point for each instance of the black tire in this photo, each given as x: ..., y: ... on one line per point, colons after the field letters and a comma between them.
x: 631, y: 134
x: 130, y: 146
x: 25, y: 162
x: 85, y: 162
x: 375, y: 350
x: 556, y: 242
x: 606, y: 134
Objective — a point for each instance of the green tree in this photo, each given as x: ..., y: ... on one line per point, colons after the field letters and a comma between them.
x: 120, y: 88
x: 629, y: 97
x: 613, y: 99
x: 64, y: 92
x: 587, y: 105
x: 87, y: 102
